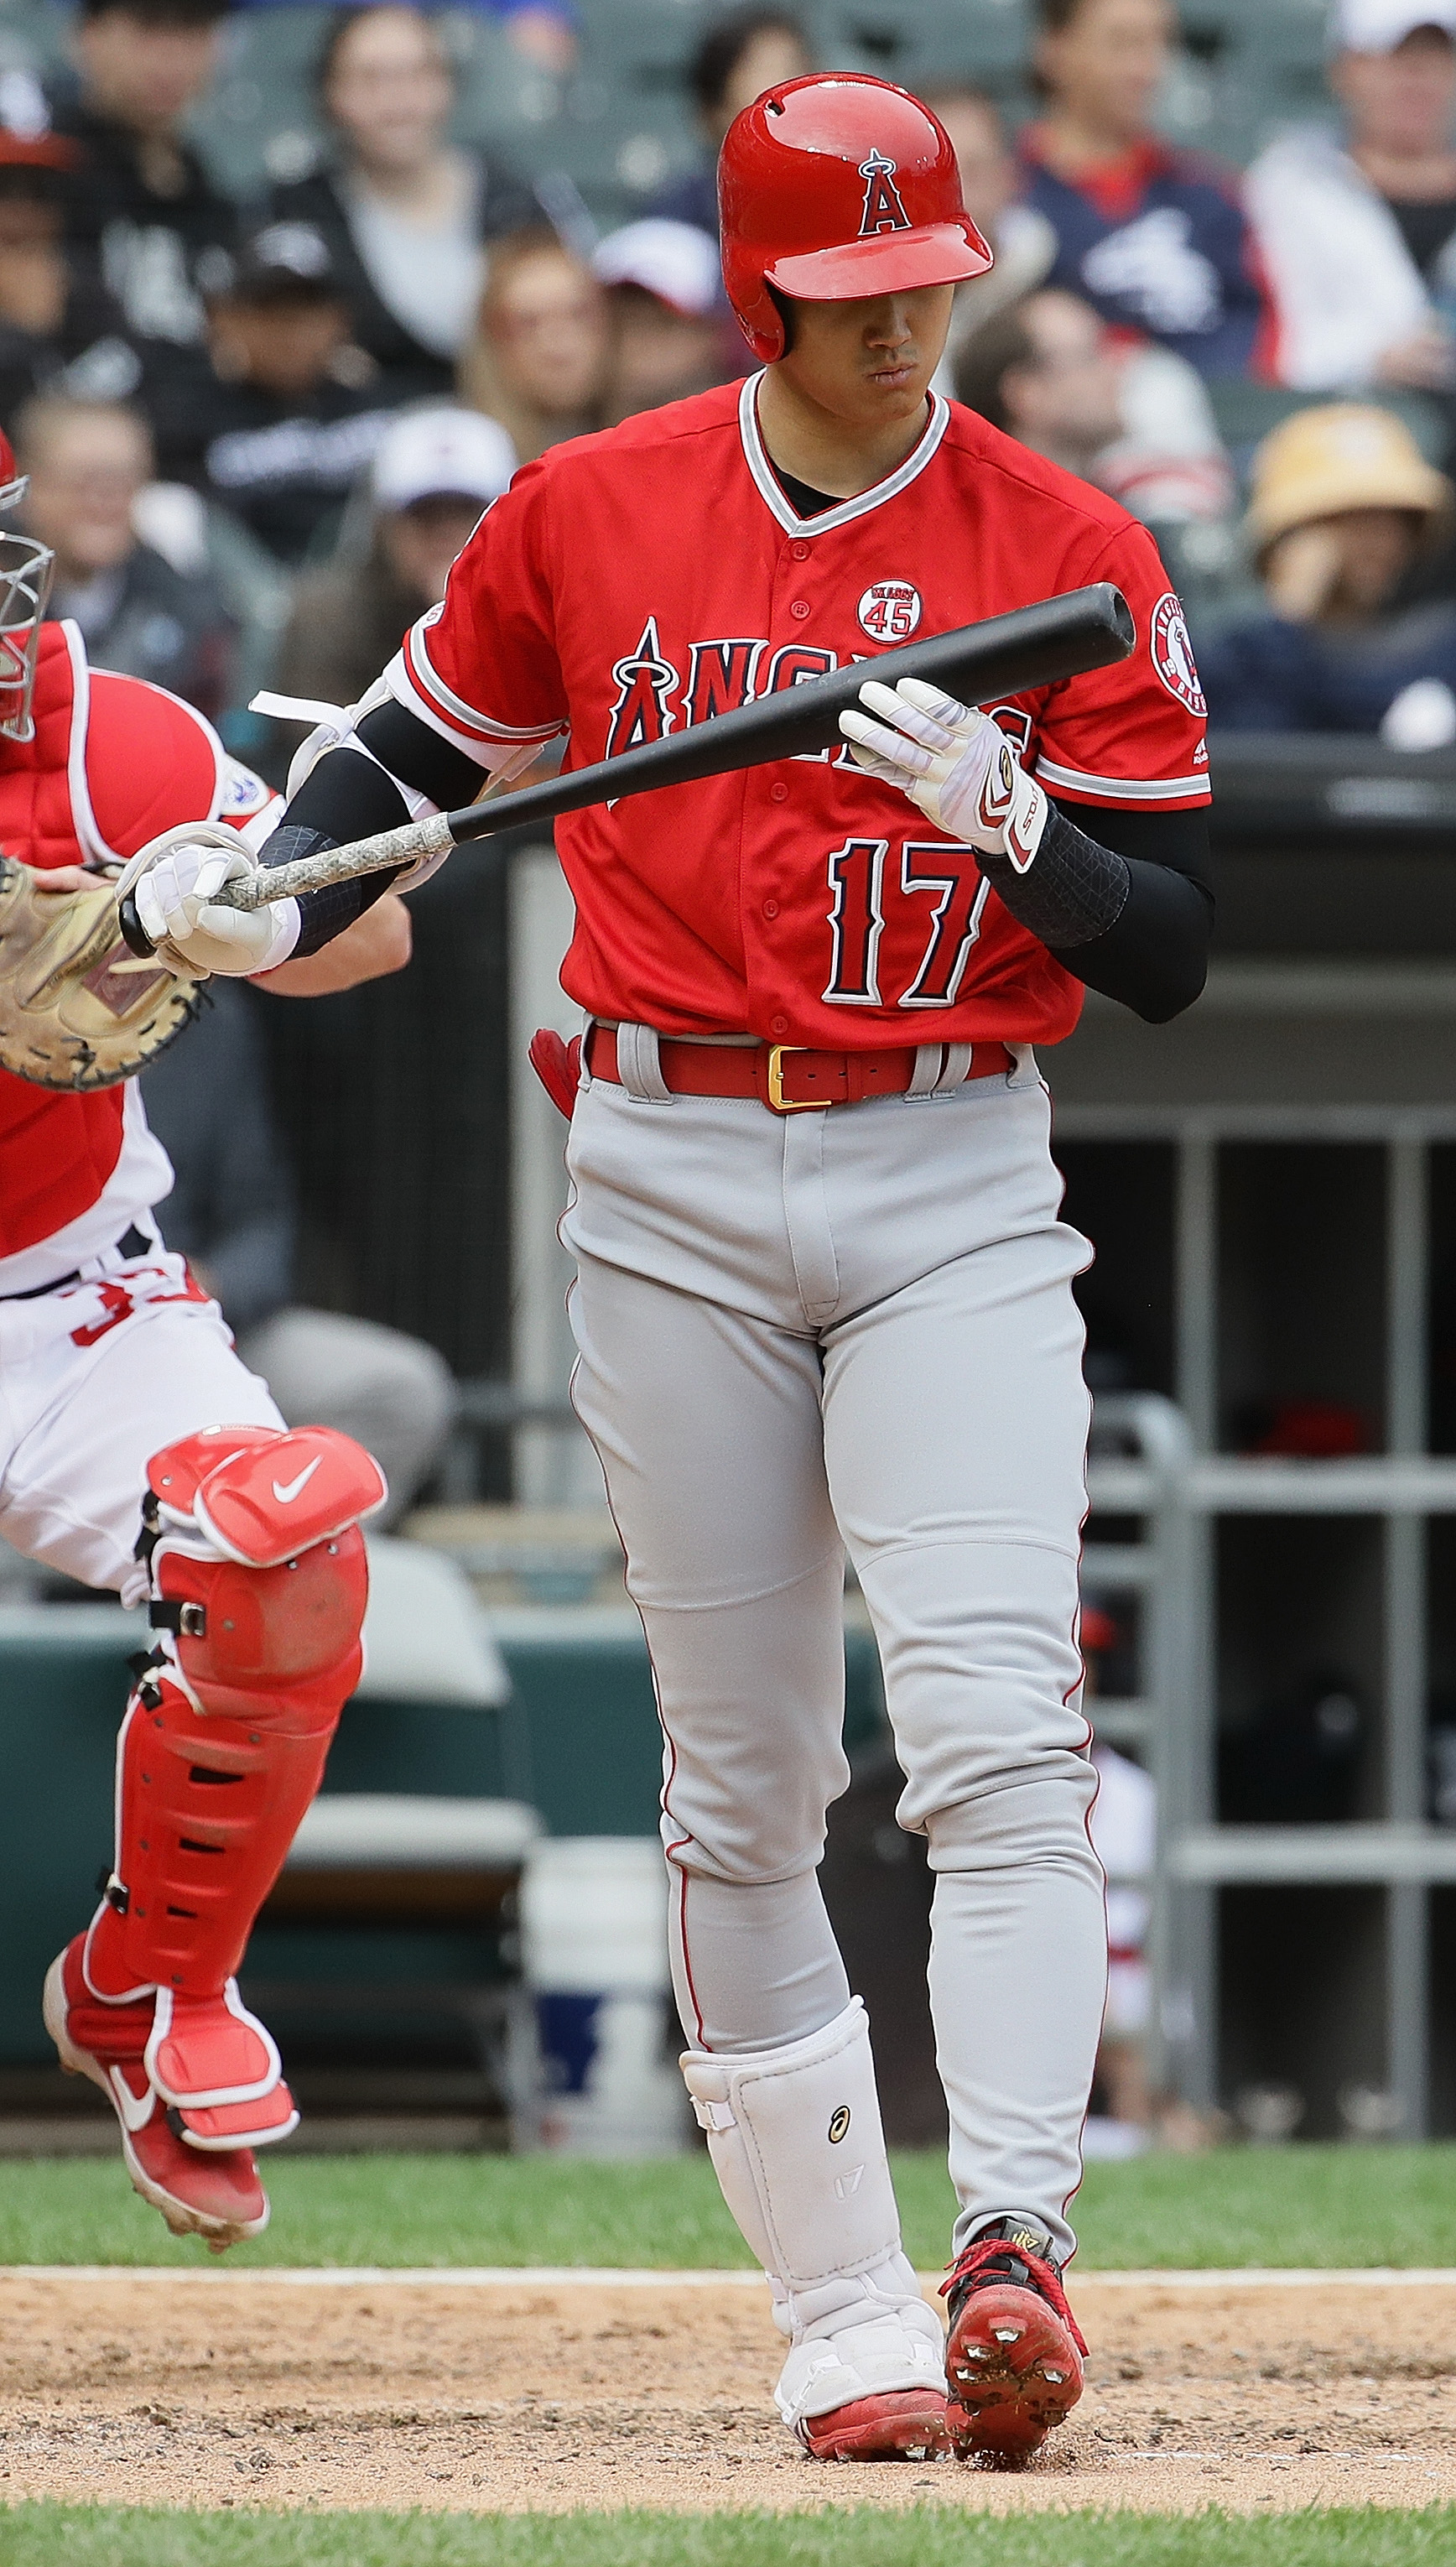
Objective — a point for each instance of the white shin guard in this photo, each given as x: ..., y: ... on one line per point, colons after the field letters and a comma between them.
x: 796, y: 2143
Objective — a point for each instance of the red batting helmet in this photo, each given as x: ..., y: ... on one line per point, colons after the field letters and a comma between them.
x: 835, y: 186
x: 26, y: 568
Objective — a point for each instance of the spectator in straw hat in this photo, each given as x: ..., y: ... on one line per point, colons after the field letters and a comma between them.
x: 1344, y: 504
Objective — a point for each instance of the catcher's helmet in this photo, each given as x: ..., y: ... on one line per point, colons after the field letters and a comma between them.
x: 834, y: 186
x: 26, y: 568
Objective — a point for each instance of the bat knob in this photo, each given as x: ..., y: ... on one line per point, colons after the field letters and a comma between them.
x: 134, y: 933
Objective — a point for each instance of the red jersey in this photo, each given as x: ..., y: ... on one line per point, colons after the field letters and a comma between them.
x: 657, y: 575
x: 114, y: 761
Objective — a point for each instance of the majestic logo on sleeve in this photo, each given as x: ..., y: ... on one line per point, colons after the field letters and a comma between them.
x: 645, y: 681
x: 883, y: 211
x: 1173, y: 654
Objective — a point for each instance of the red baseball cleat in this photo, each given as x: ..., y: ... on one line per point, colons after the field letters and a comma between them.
x: 214, y: 2196
x: 1015, y: 2354
x: 897, y: 2425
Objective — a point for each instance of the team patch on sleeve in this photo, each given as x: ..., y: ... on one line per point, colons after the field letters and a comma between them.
x: 1130, y: 734
x: 1172, y: 653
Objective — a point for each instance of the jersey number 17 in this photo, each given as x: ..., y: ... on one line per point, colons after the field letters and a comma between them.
x: 932, y: 869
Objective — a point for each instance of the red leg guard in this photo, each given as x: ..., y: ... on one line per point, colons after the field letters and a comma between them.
x: 221, y: 1751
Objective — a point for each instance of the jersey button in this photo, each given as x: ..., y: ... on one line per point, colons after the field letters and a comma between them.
x: 798, y: 552
x: 770, y: 908
x: 799, y: 609
x: 778, y: 792
x: 778, y: 1024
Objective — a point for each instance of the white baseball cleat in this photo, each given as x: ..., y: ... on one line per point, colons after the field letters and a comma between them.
x: 874, y: 2389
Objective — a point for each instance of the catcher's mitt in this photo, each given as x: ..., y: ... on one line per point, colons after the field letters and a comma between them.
x: 77, y: 1009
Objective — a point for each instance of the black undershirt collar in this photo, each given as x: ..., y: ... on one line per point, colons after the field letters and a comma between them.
x: 805, y: 498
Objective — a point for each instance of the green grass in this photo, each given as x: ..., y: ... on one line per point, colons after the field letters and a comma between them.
x: 44, y: 2535
x: 1310, y: 2206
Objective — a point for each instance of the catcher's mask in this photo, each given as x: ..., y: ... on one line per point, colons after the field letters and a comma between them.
x: 26, y: 569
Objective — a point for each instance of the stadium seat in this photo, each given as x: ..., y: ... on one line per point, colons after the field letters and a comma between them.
x: 398, y: 1904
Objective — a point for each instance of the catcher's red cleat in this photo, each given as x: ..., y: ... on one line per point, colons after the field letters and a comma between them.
x: 214, y: 2196
x: 1015, y: 2354
x: 896, y: 2425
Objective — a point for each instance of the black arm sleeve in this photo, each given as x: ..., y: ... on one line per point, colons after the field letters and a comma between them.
x: 347, y: 797
x: 1125, y: 905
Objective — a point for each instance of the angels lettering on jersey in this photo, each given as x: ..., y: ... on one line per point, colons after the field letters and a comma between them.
x: 654, y: 697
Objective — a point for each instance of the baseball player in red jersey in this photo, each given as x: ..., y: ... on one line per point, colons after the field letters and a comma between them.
x: 823, y: 1297
x: 123, y: 1413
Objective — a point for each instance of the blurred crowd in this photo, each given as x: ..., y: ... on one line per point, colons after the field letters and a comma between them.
x: 257, y: 432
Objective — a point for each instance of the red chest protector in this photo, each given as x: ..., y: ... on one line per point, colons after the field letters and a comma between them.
x: 114, y: 761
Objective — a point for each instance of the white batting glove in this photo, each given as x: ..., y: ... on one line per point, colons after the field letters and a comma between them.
x: 174, y: 882
x: 955, y: 764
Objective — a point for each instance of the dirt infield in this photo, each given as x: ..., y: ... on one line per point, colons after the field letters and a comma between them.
x: 530, y: 2396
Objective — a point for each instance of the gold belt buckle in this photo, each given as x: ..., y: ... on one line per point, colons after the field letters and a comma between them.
x: 781, y: 1104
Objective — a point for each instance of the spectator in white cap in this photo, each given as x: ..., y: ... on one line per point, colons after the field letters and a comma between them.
x: 434, y: 473
x: 1358, y: 232
x: 669, y: 337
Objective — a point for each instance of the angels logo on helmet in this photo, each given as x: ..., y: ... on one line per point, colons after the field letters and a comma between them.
x: 883, y: 211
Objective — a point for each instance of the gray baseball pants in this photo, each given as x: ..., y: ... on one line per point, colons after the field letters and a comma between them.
x: 855, y: 1329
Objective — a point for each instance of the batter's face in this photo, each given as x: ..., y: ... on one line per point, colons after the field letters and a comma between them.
x: 868, y: 364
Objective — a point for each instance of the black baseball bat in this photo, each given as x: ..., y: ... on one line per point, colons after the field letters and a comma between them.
x: 1033, y: 645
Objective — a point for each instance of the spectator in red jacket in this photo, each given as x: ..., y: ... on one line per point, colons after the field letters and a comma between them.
x: 1155, y: 238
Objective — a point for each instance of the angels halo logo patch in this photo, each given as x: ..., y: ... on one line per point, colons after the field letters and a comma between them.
x: 890, y: 611
x: 1173, y: 654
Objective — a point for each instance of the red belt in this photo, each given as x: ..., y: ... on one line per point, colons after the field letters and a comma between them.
x: 787, y: 1077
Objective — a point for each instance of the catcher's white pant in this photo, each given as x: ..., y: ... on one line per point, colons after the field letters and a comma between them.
x: 94, y: 1379
x: 857, y: 1328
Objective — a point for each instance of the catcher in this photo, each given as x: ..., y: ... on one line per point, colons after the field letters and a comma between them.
x: 136, y: 1450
